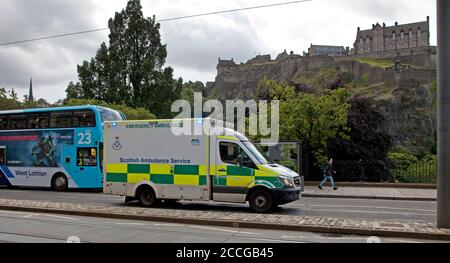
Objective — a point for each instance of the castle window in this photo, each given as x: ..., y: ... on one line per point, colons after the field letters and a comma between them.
x: 419, y: 32
x: 361, y: 41
x: 410, y: 34
x: 368, y: 40
x: 402, y: 35
x: 393, y: 35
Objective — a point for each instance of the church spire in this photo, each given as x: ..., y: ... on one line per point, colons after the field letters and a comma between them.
x: 30, y: 94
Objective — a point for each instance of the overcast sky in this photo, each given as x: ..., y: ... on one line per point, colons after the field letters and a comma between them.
x: 194, y: 45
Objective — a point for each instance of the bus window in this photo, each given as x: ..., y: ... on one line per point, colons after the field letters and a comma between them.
x: 38, y: 121
x: 18, y: 122
x: 86, y: 156
x: 109, y: 115
x: 3, y: 123
x: 2, y: 156
x: 84, y: 118
x: 61, y: 119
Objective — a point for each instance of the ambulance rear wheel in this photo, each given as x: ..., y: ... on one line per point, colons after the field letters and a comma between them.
x: 261, y: 201
x: 60, y: 182
x: 147, y: 197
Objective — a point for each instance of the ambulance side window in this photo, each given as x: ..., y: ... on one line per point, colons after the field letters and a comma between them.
x: 232, y: 153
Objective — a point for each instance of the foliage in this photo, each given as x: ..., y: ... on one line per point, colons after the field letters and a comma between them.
x: 310, y: 118
x: 130, y: 70
x: 408, y: 168
x: 382, y: 63
x: 188, y: 90
x: 9, y: 100
x: 369, y: 138
x: 362, y: 82
x: 324, y: 78
x: 130, y: 113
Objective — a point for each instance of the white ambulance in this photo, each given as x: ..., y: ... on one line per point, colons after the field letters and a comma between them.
x: 152, y: 161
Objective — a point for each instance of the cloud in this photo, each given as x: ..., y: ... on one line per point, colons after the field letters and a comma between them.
x: 193, y: 44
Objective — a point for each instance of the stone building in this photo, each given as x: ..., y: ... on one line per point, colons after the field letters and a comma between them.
x: 333, y: 51
x: 406, y: 39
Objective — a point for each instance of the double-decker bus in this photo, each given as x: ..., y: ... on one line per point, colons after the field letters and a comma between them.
x: 58, y: 147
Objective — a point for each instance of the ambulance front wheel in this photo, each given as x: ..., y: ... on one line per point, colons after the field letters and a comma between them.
x: 261, y: 201
x: 147, y: 197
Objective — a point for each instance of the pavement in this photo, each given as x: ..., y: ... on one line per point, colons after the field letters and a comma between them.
x: 312, y: 224
x: 385, y: 193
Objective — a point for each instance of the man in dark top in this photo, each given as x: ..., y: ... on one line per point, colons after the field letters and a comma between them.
x: 328, y: 175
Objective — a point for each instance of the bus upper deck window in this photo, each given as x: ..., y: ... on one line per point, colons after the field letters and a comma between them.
x: 38, y: 121
x: 2, y: 156
x: 61, y: 119
x: 3, y: 123
x: 83, y: 118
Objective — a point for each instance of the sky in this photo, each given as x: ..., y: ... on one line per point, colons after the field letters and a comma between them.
x: 194, y: 45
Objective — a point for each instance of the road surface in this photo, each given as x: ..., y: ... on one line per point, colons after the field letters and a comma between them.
x: 24, y: 227
x: 386, y: 210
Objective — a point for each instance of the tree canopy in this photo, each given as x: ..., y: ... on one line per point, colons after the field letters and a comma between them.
x: 130, y: 70
x: 130, y: 113
x: 309, y: 118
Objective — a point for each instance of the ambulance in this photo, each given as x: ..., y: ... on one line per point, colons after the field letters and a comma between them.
x: 153, y: 161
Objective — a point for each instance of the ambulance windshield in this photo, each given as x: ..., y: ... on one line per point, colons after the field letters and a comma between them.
x: 257, y: 153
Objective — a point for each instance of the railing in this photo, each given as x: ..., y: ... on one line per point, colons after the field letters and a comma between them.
x: 424, y: 172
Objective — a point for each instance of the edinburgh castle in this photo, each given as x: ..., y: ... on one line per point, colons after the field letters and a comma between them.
x: 395, y: 64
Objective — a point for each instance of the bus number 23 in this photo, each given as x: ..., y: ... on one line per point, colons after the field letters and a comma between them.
x: 84, y: 138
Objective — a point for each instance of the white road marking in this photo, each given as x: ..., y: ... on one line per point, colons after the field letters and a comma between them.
x: 131, y: 224
x: 215, y: 229
x: 173, y: 225
x: 30, y: 215
x: 406, y: 241
x: 371, y: 212
x: 326, y: 238
x: 62, y: 217
x: 360, y: 206
x: 225, y: 230
x: 249, y: 233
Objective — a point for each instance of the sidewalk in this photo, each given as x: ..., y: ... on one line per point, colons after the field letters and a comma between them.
x: 406, y: 194
x: 240, y: 220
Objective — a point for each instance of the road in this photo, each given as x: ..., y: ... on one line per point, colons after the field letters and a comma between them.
x: 386, y: 210
x: 24, y: 227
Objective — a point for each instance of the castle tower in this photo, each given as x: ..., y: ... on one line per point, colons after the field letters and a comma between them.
x: 30, y: 93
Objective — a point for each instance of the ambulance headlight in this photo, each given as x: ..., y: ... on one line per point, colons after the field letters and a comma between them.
x: 287, y: 181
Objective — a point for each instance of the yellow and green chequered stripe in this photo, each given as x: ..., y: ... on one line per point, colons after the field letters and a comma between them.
x: 194, y: 175
x: 245, y: 177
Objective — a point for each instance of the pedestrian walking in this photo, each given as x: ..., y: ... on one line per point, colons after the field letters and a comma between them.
x: 328, y: 175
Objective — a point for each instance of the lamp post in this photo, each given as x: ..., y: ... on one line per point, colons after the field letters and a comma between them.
x: 443, y: 191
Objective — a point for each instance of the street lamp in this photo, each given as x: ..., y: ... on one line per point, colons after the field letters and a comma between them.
x: 443, y: 66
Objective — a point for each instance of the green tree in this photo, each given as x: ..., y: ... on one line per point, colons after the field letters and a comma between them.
x: 311, y: 119
x: 131, y: 113
x: 131, y: 69
x: 9, y: 100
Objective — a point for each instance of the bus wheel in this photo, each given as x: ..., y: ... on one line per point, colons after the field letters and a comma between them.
x: 261, y: 201
x: 60, y: 183
x: 147, y: 197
